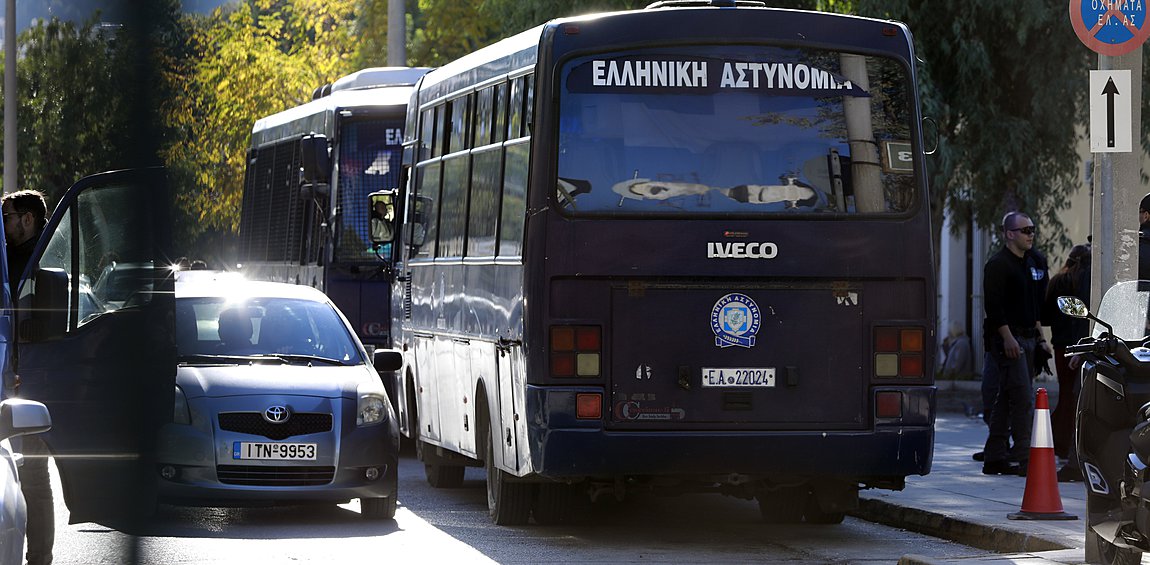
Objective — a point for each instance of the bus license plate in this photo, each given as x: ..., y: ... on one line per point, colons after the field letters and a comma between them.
x: 739, y: 377
x: 273, y: 451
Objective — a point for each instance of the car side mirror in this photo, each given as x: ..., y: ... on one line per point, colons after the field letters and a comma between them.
x: 387, y: 360
x: 381, y: 210
x: 21, y: 417
x: 315, y: 159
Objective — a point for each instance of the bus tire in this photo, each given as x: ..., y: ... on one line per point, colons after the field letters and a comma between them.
x: 783, y: 505
x: 559, y: 503
x: 439, y: 475
x: 377, y: 508
x: 508, y: 503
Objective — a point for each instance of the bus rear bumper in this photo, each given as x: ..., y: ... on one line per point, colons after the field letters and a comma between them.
x: 583, y: 453
x: 567, y: 449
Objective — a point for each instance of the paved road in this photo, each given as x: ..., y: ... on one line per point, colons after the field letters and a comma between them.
x: 439, y: 526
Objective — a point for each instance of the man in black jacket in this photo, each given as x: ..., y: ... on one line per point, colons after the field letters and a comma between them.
x: 24, y: 217
x: 1014, y: 282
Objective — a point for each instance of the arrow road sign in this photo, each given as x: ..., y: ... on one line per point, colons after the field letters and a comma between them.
x: 1110, y: 112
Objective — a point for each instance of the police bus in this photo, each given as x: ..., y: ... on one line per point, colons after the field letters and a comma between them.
x: 685, y: 248
x: 315, y: 177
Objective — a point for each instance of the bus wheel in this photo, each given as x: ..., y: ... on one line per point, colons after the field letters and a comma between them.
x: 784, y: 505
x: 508, y: 503
x: 816, y: 515
x: 438, y: 474
x: 558, y: 503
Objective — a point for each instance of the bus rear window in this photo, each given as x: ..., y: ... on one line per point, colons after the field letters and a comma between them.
x: 735, y: 130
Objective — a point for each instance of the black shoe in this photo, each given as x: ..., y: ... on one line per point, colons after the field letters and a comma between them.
x: 1000, y: 468
x: 978, y: 456
x: 1069, y: 474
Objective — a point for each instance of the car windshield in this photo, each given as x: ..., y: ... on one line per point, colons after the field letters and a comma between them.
x: 734, y: 130
x: 291, y: 330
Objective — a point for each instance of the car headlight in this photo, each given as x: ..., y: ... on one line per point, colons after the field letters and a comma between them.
x: 371, y: 409
x: 181, y: 414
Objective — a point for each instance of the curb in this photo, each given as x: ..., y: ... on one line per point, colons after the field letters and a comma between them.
x: 982, y: 536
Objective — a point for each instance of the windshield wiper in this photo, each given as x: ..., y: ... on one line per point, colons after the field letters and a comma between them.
x: 216, y: 359
x: 297, y: 358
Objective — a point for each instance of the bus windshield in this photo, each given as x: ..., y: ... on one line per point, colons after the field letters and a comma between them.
x: 369, y: 160
x: 747, y: 130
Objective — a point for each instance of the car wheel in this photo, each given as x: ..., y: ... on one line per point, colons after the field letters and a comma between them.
x: 378, y: 508
x: 816, y: 515
x: 508, y: 503
x: 783, y: 505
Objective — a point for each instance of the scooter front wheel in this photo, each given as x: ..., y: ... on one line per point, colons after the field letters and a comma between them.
x: 1113, y: 555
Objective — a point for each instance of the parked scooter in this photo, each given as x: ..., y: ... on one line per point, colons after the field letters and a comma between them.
x: 1113, y: 424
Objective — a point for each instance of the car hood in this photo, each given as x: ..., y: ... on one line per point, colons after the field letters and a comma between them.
x: 238, y: 380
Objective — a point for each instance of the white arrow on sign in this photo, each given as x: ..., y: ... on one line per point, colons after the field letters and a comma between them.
x: 1111, y: 129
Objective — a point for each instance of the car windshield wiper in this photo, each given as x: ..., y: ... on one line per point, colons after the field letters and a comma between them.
x: 297, y: 358
x: 216, y: 359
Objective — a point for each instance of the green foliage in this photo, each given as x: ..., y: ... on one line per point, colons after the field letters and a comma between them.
x: 256, y: 59
x: 1006, y: 88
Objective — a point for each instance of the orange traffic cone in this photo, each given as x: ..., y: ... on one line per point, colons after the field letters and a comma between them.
x: 1041, y: 500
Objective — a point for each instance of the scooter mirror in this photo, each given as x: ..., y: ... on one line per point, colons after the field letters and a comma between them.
x: 1073, y: 306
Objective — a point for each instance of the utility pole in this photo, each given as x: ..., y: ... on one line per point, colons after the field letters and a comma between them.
x: 396, y: 34
x: 10, y: 167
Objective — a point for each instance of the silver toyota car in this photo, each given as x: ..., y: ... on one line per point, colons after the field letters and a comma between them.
x: 276, y: 401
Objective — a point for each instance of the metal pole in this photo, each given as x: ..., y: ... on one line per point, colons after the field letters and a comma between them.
x: 396, y: 34
x: 10, y: 182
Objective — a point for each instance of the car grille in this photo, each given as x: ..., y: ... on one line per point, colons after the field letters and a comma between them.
x: 266, y: 476
x: 254, y: 423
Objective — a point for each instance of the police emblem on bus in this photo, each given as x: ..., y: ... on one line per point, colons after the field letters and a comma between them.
x: 735, y: 320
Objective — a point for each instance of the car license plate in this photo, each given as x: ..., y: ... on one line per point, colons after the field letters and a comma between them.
x: 274, y: 451
x: 739, y: 377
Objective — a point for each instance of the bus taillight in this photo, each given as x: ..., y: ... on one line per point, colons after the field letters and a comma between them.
x: 898, y: 352
x: 575, y: 351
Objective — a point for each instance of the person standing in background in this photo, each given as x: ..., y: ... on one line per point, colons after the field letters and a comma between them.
x: 1073, y: 279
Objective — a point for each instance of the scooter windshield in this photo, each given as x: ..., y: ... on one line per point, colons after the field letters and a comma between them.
x: 1125, y: 306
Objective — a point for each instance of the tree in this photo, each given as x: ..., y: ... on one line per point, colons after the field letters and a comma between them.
x: 255, y: 59
x: 1005, y: 86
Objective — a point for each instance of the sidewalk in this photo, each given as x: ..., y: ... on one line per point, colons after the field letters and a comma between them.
x: 957, y: 502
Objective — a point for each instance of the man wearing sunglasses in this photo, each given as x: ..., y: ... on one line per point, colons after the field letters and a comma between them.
x: 24, y: 217
x: 1013, y: 285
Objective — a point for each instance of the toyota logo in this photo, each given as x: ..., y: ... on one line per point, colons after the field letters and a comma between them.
x: 277, y: 414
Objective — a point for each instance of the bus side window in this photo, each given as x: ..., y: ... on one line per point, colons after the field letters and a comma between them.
x: 514, y: 204
x: 426, y: 212
x: 500, y: 122
x: 515, y: 112
x: 427, y: 134
x: 484, y: 103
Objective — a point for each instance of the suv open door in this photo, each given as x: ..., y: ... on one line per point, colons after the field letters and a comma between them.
x: 104, y: 365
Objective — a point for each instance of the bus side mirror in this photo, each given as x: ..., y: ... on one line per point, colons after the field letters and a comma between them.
x: 316, y: 159
x: 381, y: 210
x: 48, y: 317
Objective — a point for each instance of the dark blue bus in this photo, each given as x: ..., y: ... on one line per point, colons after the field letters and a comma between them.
x: 684, y: 249
x: 315, y: 174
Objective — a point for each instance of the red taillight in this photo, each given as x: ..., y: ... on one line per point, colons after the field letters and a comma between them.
x: 899, y: 352
x: 589, y: 406
x: 885, y: 339
x: 910, y: 365
x: 888, y: 404
x: 576, y: 351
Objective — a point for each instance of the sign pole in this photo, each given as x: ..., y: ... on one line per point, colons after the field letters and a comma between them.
x: 1117, y: 187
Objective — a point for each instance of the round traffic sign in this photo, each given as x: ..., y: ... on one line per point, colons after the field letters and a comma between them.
x: 1110, y: 27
